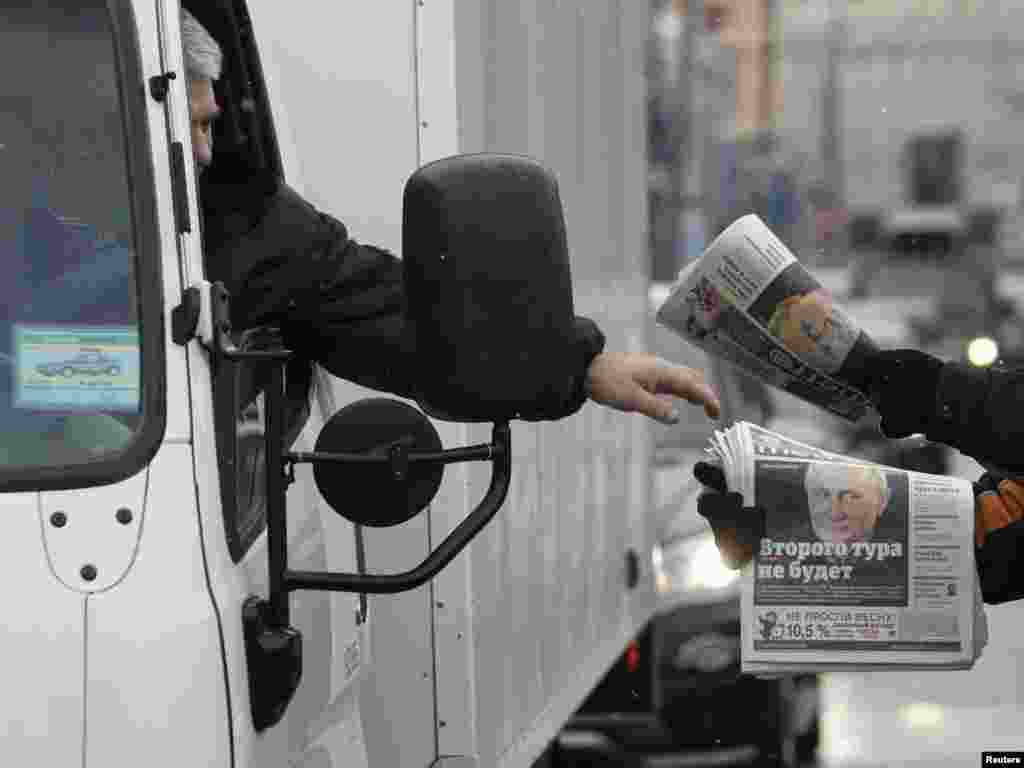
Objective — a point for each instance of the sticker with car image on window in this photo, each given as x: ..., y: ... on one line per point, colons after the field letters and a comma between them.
x: 76, y: 368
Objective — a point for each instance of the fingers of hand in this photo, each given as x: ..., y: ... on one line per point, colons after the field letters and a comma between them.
x: 688, y: 384
x: 710, y: 475
x: 624, y: 389
x: 722, y: 510
x: 736, y: 528
x: 655, y: 407
x: 633, y: 383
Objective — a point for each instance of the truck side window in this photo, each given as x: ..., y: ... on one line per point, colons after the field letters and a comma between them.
x: 240, y: 407
x: 240, y: 403
x: 244, y: 138
x: 77, y: 244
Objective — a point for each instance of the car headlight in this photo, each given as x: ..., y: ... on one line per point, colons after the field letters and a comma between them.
x: 982, y: 352
x: 706, y: 570
x: 691, y: 564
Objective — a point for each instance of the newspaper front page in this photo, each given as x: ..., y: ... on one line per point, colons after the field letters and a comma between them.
x: 860, y: 565
x: 749, y: 301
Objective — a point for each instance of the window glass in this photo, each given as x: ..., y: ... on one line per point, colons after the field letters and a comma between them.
x: 70, y: 365
x: 240, y: 403
x: 241, y: 427
x: 251, y: 484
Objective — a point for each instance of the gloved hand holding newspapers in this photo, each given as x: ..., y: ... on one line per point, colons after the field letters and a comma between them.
x: 847, y: 564
x: 737, y: 529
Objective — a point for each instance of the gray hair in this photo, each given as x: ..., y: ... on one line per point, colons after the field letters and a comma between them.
x: 824, y: 473
x: 203, y: 56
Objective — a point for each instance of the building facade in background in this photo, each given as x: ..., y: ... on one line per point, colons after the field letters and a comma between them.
x: 904, y: 69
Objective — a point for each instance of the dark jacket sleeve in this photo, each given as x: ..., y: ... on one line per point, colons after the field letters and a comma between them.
x: 999, y: 537
x: 980, y: 412
x: 338, y: 302
x: 1000, y: 563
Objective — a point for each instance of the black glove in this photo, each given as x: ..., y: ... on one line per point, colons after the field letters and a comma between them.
x: 903, y: 384
x: 737, y: 529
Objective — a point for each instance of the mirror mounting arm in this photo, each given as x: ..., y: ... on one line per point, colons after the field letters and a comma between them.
x: 483, y: 452
x: 499, y: 451
x: 282, y: 580
x: 273, y: 646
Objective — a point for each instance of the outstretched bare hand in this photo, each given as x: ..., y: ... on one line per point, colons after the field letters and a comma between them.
x: 632, y: 382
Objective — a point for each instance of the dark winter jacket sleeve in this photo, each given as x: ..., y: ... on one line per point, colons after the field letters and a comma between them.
x: 980, y: 412
x: 1000, y: 563
x: 337, y: 302
x: 999, y: 537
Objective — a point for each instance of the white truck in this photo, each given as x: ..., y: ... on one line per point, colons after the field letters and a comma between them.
x: 149, y: 618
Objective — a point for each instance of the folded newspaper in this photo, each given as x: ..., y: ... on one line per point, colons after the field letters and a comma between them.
x: 748, y: 301
x: 861, y: 566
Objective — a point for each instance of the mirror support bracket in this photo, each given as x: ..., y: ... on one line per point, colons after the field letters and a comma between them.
x: 498, y: 452
x: 273, y: 647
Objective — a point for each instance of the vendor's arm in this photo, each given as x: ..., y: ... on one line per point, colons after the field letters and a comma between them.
x: 975, y: 410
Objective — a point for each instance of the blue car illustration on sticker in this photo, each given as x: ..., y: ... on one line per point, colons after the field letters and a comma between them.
x: 87, y: 363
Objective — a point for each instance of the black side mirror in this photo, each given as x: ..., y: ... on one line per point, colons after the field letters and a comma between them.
x: 488, y: 286
x: 379, y: 462
x: 385, y: 487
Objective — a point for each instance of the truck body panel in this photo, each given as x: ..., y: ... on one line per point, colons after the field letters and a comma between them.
x: 42, y: 615
x: 550, y: 604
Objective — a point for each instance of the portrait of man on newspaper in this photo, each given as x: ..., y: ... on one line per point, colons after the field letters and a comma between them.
x: 814, y: 329
x: 849, y: 547
x: 845, y: 501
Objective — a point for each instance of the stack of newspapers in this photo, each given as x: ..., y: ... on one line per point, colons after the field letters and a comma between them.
x: 861, y: 566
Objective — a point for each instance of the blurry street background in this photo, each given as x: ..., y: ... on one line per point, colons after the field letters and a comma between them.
x: 880, y: 140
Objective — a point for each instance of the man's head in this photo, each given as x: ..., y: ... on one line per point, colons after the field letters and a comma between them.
x: 844, y: 501
x: 203, y: 61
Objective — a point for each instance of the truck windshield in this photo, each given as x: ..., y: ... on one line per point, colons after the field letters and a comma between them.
x: 71, y: 384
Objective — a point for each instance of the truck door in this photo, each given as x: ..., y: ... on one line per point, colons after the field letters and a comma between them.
x: 321, y: 724
x: 109, y: 640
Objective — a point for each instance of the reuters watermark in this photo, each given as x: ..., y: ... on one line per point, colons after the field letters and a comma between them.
x: 1002, y: 758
